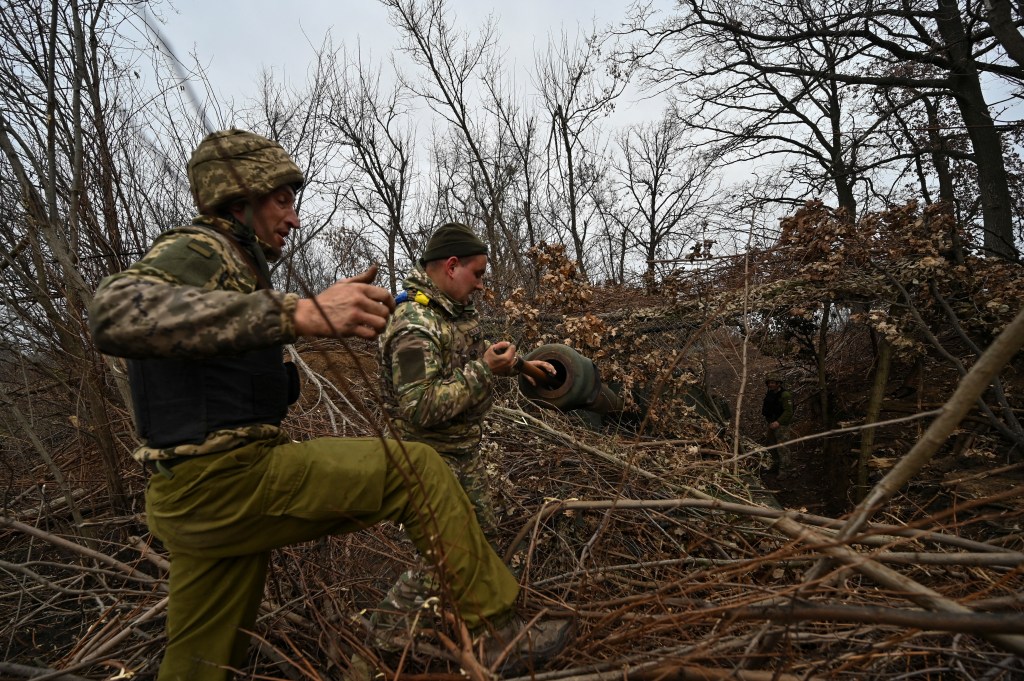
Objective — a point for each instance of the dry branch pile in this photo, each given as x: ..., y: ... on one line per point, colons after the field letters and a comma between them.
x: 674, y: 567
x: 675, y: 559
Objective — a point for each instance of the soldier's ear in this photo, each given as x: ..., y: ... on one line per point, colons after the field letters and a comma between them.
x: 238, y: 210
x: 450, y: 264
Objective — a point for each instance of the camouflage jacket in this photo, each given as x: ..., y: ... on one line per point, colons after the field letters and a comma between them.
x: 194, y: 295
x: 435, y: 384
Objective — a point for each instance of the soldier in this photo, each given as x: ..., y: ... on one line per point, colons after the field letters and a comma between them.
x: 777, y: 410
x: 437, y: 369
x: 437, y: 374
x: 203, y: 332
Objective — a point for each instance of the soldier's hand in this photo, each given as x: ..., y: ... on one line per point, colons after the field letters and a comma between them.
x: 540, y: 364
x: 351, y: 307
x: 365, y: 277
x: 500, y: 357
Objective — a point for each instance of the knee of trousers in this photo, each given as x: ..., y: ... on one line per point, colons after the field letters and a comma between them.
x: 422, y: 458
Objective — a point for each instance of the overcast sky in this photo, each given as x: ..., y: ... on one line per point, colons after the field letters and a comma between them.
x: 236, y: 39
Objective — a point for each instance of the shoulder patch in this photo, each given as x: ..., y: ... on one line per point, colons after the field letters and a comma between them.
x: 188, y: 260
x: 412, y: 364
x: 200, y: 248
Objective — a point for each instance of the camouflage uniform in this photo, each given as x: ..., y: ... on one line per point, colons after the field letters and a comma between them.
x: 188, y: 297
x: 435, y: 384
x: 221, y: 505
x: 778, y: 407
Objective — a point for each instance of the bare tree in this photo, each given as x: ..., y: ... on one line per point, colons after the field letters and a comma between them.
x: 453, y: 64
x: 520, y: 128
x: 877, y: 43
x: 576, y: 95
x: 375, y: 127
x: 295, y: 116
x: 668, y: 192
x: 612, y: 236
x: 67, y: 216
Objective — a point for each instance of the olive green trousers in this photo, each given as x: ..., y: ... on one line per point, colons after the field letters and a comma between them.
x: 219, y: 517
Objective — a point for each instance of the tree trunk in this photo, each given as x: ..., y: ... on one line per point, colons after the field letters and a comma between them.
x: 577, y: 238
x: 867, y: 437
x: 823, y: 389
x: 993, y: 186
x: 1000, y: 20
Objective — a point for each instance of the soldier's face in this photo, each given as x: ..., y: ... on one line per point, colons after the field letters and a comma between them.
x: 273, y: 217
x: 466, y: 276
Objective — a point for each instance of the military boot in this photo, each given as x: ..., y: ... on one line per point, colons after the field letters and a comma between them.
x: 518, y: 646
x: 406, y: 610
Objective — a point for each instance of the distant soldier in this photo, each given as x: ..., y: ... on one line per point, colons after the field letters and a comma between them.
x: 777, y: 410
x: 203, y: 331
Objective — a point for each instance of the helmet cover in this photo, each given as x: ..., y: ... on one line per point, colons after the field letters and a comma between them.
x: 237, y: 164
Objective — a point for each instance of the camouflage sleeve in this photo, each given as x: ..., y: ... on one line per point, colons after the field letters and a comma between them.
x: 427, y: 397
x: 187, y: 298
x: 787, y: 408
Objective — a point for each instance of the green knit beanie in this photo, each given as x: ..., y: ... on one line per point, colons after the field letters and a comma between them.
x: 452, y: 239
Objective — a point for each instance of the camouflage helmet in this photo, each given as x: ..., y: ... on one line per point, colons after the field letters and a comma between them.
x: 235, y: 164
x: 774, y: 378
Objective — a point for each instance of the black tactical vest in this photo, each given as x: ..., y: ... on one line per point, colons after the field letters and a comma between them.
x: 772, y: 407
x: 181, y: 401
